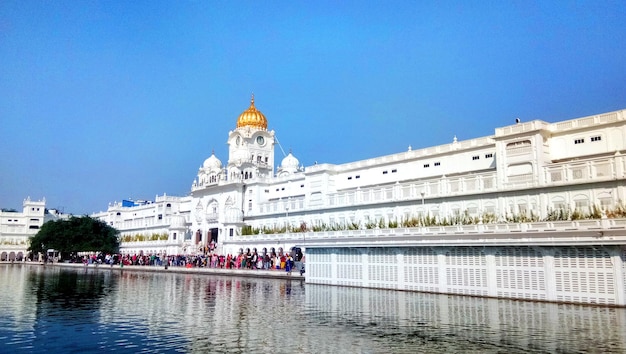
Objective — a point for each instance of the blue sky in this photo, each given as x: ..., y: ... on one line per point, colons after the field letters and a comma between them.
x: 106, y: 100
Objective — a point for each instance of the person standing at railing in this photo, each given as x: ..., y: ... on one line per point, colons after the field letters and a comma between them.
x: 288, y: 264
x: 266, y: 261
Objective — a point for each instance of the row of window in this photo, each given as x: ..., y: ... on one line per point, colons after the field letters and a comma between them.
x: 259, y: 158
x: 487, y: 156
x: 281, y: 189
x: 17, y: 220
x: 427, y: 165
x: 582, y: 140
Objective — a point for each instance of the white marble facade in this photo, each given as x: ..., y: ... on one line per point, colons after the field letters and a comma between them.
x: 17, y: 226
x: 524, y: 170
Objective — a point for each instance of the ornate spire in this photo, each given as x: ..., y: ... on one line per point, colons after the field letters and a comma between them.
x: 252, y: 117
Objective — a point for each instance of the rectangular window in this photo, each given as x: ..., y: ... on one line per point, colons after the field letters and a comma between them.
x: 488, y: 156
x: 384, y: 172
x: 357, y: 177
x: 475, y: 157
x: 437, y: 163
x: 605, y: 203
x: 426, y: 165
x: 579, y: 141
x: 302, y: 186
x: 394, y: 171
x: 349, y: 178
x: 596, y: 138
x: 160, y: 216
x: 174, y: 236
x: 581, y: 204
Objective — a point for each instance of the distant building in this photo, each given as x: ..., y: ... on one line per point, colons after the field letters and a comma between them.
x: 525, y: 171
x: 16, y: 228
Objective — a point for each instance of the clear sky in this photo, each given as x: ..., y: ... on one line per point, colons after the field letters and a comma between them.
x: 107, y: 100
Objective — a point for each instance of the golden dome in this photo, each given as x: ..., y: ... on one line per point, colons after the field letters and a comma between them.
x: 252, y: 117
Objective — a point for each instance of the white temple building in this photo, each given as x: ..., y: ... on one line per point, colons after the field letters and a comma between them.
x: 526, y: 171
x: 16, y: 227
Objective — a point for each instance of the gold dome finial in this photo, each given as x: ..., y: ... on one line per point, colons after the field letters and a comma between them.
x: 252, y: 117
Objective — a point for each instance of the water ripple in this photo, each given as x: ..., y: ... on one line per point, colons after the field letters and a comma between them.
x: 77, y: 311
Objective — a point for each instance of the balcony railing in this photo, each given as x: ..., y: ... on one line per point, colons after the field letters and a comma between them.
x: 556, y: 174
x: 598, y: 231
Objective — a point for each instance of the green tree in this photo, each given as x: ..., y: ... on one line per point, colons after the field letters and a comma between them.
x: 76, y: 234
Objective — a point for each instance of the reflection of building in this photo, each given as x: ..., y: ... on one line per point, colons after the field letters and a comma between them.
x: 527, y: 171
x: 17, y: 227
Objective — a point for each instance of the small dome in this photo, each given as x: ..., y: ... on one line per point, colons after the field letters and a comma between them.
x: 290, y: 162
x: 212, y: 163
x: 252, y: 117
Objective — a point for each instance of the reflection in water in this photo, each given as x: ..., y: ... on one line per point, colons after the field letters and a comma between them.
x: 88, y: 310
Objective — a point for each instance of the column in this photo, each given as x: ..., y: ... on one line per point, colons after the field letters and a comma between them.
x: 618, y: 266
x: 492, y: 274
x: 365, y: 274
x: 400, y: 263
x: 442, y: 267
x: 549, y: 272
x: 333, y: 266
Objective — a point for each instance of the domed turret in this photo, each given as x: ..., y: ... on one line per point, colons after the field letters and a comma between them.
x: 212, y: 163
x: 290, y: 164
x: 252, y: 117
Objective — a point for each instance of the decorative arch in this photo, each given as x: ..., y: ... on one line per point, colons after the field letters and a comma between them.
x: 212, y: 210
x: 199, y: 211
x: 520, y: 169
x: 558, y: 202
x: 581, y: 202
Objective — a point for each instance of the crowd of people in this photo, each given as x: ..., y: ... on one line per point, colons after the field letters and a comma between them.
x: 287, y: 261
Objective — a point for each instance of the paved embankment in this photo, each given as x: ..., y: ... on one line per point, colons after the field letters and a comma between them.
x: 256, y: 273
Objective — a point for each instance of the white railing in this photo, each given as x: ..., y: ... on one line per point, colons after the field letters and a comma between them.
x: 555, y: 174
x: 597, y: 231
x: 592, y: 170
x: 589, y: 121
x: 150, y: 243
